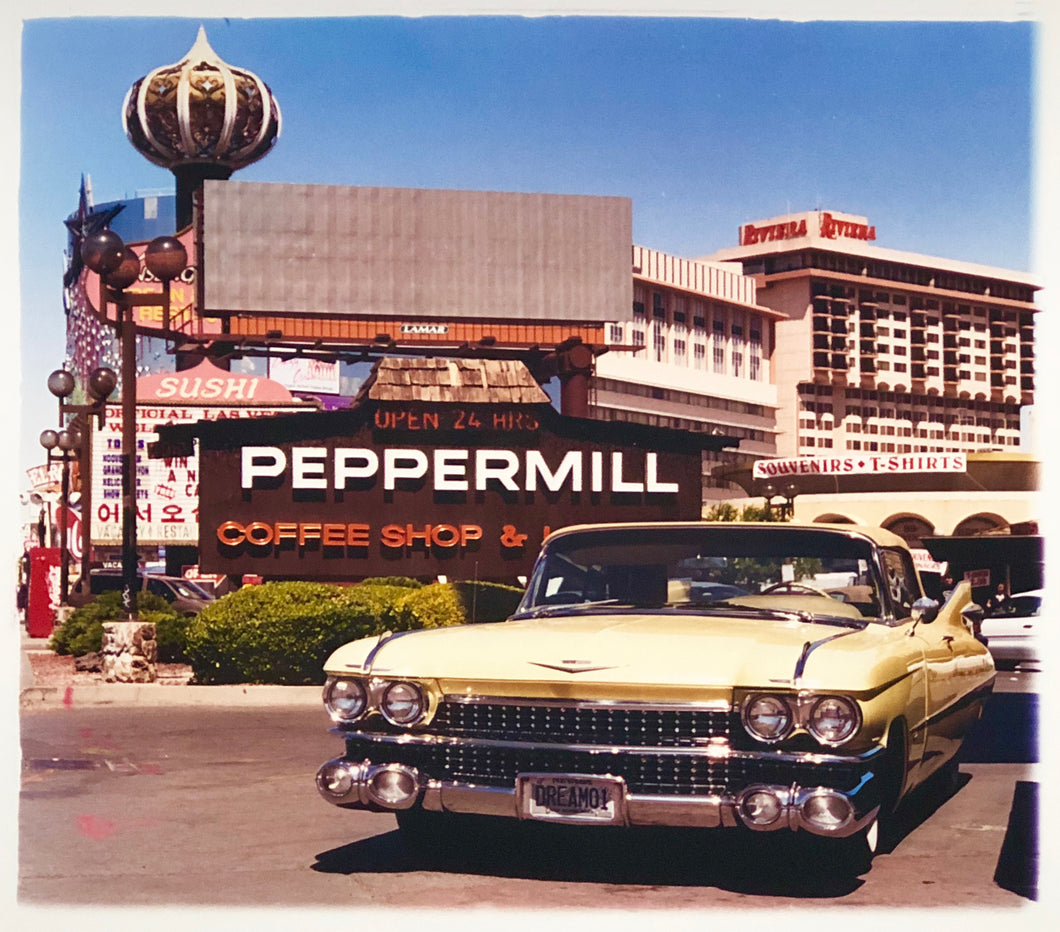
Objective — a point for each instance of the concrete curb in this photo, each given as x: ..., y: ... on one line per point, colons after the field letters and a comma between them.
x: 155, y: 694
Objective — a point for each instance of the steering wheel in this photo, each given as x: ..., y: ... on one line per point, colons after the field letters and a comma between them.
x: 795, y: 587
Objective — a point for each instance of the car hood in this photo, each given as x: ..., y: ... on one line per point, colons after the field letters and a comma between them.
x: 649, y: 650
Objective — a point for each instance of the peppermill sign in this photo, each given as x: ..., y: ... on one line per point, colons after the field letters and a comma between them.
x: 422, y: 487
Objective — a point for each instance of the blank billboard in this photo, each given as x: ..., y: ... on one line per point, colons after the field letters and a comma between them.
x: 293, y: 249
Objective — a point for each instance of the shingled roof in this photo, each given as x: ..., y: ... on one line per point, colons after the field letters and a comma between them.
x: 462, y: 381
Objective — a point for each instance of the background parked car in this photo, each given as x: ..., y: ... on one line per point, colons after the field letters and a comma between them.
x: 1010, y: 628
x: 183, y: 594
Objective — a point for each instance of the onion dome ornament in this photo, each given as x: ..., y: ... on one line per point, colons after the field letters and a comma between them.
x: 200, y: 118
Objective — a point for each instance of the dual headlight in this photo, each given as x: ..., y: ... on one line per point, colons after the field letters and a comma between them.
x: 400, y: 702
x: 772, y: 717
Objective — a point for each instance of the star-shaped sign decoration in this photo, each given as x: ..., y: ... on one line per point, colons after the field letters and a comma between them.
x: 82, y: 225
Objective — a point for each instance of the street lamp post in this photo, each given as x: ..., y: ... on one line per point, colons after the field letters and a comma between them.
x: 67, y: 442
x: 118, y: 267
x: 101, y: 383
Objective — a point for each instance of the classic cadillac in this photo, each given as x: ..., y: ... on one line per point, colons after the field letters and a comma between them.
x: 763, y: 677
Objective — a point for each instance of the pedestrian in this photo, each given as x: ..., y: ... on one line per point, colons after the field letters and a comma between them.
x: 998, y: 599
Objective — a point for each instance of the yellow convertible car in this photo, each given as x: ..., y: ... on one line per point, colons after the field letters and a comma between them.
x: 764, y: 677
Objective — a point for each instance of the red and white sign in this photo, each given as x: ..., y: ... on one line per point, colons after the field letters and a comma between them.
x: 306, y: 375
x: 978, y: 578
x: 72, y: 517
x: 822, y: 224
x: 167, y: 489
x: 205, y: 384
x: 924, y: 562
x: 45, y: 478
x: 905, y: 463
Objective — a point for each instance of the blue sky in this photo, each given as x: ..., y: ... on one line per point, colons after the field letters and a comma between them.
x: 925, y: 128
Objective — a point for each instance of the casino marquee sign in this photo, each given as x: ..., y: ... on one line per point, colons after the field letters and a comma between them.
x: 419, y: 489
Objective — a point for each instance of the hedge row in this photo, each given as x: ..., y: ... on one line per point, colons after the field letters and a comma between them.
x: 282, y: 632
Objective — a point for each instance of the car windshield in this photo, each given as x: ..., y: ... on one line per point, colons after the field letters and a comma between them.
x: 765, y: 569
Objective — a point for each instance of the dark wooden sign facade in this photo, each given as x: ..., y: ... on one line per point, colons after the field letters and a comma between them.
x: 422, y: 489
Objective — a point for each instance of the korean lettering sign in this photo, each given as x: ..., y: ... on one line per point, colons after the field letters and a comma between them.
x: 167, y: 489
x: 467, y: 492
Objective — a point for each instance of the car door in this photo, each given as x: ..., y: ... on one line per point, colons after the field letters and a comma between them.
x: 941, y: 643
x: 957, y: 668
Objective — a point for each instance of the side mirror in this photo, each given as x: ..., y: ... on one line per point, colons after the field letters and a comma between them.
x: 925, y: 610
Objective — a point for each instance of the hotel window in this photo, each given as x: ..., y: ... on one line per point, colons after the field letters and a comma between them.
x: 658, y: 341
x: 680, y: 352
x: 699, y: 356
x: 737, y: 351
x: 615, y: 333
x: 756, y: 353
x: 719, y: 346
x: 638, y: 340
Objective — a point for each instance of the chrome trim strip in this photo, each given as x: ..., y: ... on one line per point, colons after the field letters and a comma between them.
x: 718, y: 750
x: 694, y: 812
x: 384, y: 639
x: 809, y: 647
x: 717, y: 705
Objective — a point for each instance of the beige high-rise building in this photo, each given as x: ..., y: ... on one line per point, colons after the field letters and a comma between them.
x: 883, y: 351
x: 701, y: 358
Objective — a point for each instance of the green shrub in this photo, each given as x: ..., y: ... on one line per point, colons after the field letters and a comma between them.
x: 406, y: 582
x: 171, y: 633
x: 436, y: 605
x: 282, y: 632
x: 82, y: 633
x: 486, y: 601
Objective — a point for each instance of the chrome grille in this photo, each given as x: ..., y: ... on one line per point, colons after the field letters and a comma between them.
x: 582, y: 724
x: 663, y: 774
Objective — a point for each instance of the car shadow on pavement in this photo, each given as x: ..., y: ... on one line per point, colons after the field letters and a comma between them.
x: 776, y: 864
x: 1007, y: 732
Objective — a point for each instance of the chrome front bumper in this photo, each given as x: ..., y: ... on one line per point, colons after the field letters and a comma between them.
x: 391, y: 787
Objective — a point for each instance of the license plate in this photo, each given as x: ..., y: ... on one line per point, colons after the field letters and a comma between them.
x: 571, y: 798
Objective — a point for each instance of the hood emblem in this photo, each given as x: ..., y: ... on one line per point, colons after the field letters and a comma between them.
x: 572, y: 666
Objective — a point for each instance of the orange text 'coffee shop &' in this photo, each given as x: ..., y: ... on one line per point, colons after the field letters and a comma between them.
x: 461, y: 473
